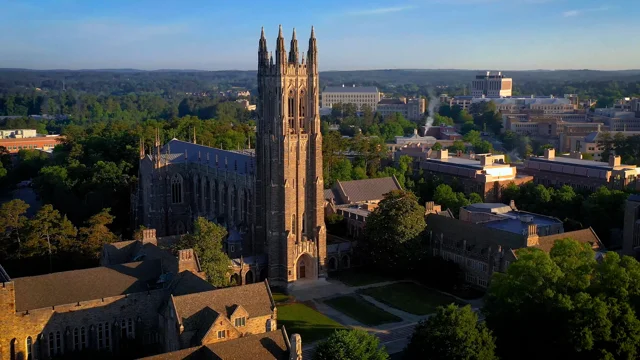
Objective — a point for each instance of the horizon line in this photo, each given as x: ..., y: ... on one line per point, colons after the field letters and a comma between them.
x: 333, y: 70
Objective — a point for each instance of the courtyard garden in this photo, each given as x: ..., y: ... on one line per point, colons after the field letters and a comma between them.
x: 410, y: 297
x: 361, y: 310
x: 300, y: 319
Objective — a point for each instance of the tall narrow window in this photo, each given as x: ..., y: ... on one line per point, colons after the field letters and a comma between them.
x: 130, y: 328
x: 107, y: 336
x: 52, y: 345
x: 83, y: 338
x: 123, y: 329
x: 76, y: 339
x: 301, y: 111
x: 291, y: 112
x: 29, y: 348
x: 59, y: 349
x: 293, y: 223
x: 100, y: 337
x: 13, y: 349
x: 176, y: 189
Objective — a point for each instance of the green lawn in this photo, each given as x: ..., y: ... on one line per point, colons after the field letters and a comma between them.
x: 361, y: 310
x: 279, y: 297
x: 358, y: 277
x: 310, y: 324
x: 409, y: 297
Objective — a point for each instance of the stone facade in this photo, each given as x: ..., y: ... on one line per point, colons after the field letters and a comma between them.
x: 271, y: 200
x: 289, y: 183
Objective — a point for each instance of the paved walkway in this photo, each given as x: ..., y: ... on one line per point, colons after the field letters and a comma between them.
x: 394, y: 336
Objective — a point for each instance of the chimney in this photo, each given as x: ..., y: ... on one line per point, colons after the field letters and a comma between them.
x: 550, y: 153
x: 149, y: 236
x: 295, y: 352
x: 442, y: 154
x: 187, y: 261
x: 486, y: 160
x: 532, y: 235
x: 428, y: 206
x: 614, y: 160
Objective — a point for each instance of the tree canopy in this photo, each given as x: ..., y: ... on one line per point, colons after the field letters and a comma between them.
x: 452, y: 333
x: 585, y: 309
x: 350, y: 345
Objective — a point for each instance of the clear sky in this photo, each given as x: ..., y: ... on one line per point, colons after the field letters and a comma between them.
x: 352, y: 34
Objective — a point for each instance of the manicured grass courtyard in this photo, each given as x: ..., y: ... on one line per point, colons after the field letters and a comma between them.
x: 358, y: 277
x: 279, y: 297
x: 361, y: 310
x: 409, y: 297
x: 310, y: 324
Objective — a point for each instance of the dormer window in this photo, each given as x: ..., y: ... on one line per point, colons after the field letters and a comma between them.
x: 222, y: 334
x: 242, y: 321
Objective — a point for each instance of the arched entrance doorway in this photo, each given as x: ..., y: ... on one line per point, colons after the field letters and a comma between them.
x: 248, y: 278
x: 332, y: 264
x: 235, y: 279
x: 305, y: 268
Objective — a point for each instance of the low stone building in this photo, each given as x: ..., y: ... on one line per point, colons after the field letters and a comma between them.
x: 143, y: 300
x: 480, y: 250
x: 356, y: 199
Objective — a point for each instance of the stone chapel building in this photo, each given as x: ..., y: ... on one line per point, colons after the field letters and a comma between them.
x: 270, y: 200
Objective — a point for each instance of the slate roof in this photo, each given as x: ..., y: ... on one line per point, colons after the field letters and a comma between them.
x: 68, y: 287
x: 366, y: 190
x: 350, y: 89
x: 458, y: 230
x: 266, y: 346
x: 241, y: 162
x: 197, y: 311
x: 585, y: 236
x: 391, y: 101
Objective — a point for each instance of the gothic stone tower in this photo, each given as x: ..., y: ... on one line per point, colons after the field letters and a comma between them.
x: 289, y: 184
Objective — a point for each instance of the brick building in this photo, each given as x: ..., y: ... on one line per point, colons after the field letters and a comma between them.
x: 484, y: 174
x: 13, y: 145
x: 552, y: 170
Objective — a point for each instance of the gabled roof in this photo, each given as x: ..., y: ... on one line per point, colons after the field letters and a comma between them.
x: 199, y: 309
x: 273, y: 345
x: 585, y: 236
x: 356, y: 191
x: 69, y: 287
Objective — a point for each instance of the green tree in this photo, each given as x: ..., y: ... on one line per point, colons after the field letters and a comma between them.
x: 350, y: 345
x: 437, y: 146
x: 206, y: 241
x: 457, y: 145
x: 475, y: 198
x: 392, y: 228
x: 48, y: 232
x: 587, y: 308
x: 445, y: 196
x: 451, y: 333
x: 96, y: 233
x: 12, y: 222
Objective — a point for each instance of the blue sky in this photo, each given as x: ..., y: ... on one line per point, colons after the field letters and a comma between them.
x: 352, y: 34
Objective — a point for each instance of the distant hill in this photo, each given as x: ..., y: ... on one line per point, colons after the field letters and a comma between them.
x: 108, y: 81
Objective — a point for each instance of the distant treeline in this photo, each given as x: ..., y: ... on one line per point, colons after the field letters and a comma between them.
x: 407, y: 82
